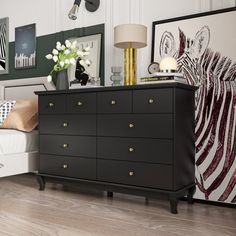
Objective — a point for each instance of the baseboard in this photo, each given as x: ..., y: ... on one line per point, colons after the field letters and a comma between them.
x: 207, y: 202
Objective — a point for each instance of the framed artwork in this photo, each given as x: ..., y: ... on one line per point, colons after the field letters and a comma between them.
x: 94, y: 43
x: 25, y: 46
x: 204, y: 46
x: 4, y: 45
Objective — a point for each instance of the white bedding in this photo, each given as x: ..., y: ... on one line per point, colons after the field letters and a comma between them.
x: 13, y: 141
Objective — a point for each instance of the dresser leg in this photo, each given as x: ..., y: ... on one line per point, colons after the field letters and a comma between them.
x: 109, y: 194
x: 41, y: 182
x: 191, y: 192
x: 173, y: 205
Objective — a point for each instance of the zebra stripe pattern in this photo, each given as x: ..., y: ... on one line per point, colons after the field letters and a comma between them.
x: 215, y: 123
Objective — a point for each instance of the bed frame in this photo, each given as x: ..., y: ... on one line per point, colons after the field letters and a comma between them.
x: 19, y: 163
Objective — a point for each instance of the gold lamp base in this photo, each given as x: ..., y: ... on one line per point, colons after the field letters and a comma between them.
x: 130, y: 66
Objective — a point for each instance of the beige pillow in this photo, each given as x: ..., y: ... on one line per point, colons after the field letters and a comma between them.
x: 24, y: 115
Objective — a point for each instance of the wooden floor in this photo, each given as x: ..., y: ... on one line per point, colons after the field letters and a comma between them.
x: 64, y: 211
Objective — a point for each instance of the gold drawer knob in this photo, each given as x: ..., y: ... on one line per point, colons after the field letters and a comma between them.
x: 131, y: 149
x: 65, y: 124
x: 79, y: 104
x: 51, y: 104
x: 113, y: 102
x: 131, y: 173
x: 131, y: 125
x: 150, y: 101
x: 65, y: 145
x: 65, y: 166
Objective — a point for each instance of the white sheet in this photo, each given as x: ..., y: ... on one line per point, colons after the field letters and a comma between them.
x: 13, y: 141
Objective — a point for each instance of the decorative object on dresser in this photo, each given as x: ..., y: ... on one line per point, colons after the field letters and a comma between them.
x: 130, y: 139
x: 153, y: 67
x: 65, y: 56
x: 4, y: 45
x: 116, y: 77
x: 204, y: 46
x: 130, y: 37
x: 91, y: 70
x: 168, y: 65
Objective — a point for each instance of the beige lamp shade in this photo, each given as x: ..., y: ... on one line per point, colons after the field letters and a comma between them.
x: 130, y: 36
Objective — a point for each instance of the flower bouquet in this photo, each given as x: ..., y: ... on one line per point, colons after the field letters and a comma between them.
x: 67, y: 55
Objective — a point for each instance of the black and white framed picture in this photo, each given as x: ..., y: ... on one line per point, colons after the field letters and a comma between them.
x: 204, y: 46
x: 25, y: 46
x: 93, y: 42
x: 4, y: 45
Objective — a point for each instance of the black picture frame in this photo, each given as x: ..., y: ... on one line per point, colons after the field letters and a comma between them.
x: 181, y: 19
x: 94, y: 41
x: 25, y: 47
x: 204, y: 47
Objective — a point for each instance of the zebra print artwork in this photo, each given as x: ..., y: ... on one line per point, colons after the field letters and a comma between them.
x: 215, y: 105
x: 3, y: 45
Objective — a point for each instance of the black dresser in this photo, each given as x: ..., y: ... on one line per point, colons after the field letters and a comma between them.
x: 129, y: 139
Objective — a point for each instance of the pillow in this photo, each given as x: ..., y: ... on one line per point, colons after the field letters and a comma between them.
x: 5, y: 109
x: 23, y: 116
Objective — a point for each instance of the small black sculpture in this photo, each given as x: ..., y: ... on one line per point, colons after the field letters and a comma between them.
x: 80, y: 75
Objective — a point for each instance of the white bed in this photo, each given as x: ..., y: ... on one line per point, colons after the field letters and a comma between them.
x: 19, y: 150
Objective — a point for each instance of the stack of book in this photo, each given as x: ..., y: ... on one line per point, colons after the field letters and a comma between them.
x: 160, y: 77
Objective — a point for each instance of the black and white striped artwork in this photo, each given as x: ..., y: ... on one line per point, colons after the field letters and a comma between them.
x: 204, y: 47
x: 3, y: 45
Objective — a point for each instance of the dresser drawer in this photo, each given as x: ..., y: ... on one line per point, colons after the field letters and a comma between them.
x: 153, y: 101
x: 68, y: 124
x: 152, y: 126
x: 81, y: 103
x: 52, y: 104
x: 115, y: 102
x: 68, y: 145
x: 138, y: 174
x: 136, y: 150
x: 76, y: 167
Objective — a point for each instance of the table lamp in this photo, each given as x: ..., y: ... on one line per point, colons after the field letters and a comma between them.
x: 130, y: 37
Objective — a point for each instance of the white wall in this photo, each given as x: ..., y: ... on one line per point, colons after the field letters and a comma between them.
x: 50, y: 16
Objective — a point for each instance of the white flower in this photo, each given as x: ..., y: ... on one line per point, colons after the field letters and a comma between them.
x: 86, y: 53
x: 49, y: 78
x: 62, y: 63
x: 80, y: 53
x: 67, y: 51
x: 55, y: 58
x: 82, y: 62
x: 68, y: 43
x: 49, y: 56
x: 74, y: 44
x: 58, y: 43
x: 55, y: 52
x: 63, y: 47
x: 72, y: 61
x: 88, y: 62
x: 58, y: 47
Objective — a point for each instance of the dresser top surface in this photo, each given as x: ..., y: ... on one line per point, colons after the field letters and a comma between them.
x: 119, y: 88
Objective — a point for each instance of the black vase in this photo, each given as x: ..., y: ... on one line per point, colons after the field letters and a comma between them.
x: 62, y: 82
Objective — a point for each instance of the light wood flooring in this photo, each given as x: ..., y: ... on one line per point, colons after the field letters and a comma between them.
x: 65, y: 211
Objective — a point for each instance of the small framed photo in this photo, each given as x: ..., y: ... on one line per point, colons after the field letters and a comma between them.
x: 25, y: 46
x: 93, y: 70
